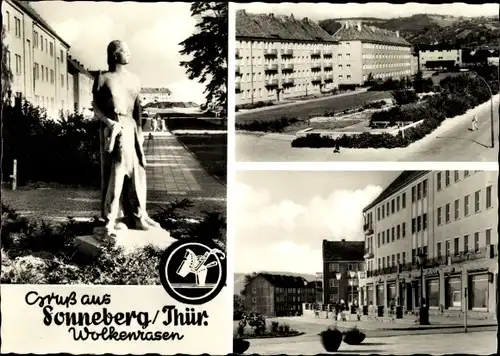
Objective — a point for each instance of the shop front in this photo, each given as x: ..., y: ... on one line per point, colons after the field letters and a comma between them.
x: 478, y: 291
x: 453, y: 292
x: 369, y: 294
x: 380, y: 294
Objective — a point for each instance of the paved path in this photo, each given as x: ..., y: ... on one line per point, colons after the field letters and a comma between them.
x: 172, y: 173
x: 478, y: 343
x: 451, y: 142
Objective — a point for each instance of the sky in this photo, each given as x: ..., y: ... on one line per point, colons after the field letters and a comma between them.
x: 323, y: 10
x: 151, y: 30
x: 282, y: 217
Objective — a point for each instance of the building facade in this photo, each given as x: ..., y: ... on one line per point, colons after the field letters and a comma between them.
x: 340, y: 258
x: 80, y: 83
x: 152, y: 95
x: 278, y: 295
x: 451, y: 218
x: 434, y: 57
x: 367, y: 52
x: 280, y: 57
x: 37, y: 58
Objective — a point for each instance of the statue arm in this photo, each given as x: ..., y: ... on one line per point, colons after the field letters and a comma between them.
x: 98, y: 113
x: 137, y: 114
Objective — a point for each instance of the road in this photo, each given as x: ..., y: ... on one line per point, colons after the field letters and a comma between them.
x: 451, y: 142
x: 477, y: 343
x: 315, y: 107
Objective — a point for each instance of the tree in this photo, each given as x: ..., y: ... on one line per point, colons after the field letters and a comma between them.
x: 6, y: 72
x: 208, y: 49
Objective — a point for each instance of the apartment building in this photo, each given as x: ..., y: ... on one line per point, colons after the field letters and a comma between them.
x: 439, y: 57
x: 280, y: 57
x: 367, y: 52
x: 340, y: 258
x: 451, y: 218
x: 278, y: 295
x: 36, y: 56
x: 80, y: 83
x: 152, y: 95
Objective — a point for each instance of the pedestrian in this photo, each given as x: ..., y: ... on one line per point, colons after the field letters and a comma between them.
x: 163, y: 125
x: 337, y: 148
x: 154, y: 124
x: 475, y: 125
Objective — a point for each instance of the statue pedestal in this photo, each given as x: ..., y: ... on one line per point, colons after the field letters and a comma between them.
x: 129, y: 240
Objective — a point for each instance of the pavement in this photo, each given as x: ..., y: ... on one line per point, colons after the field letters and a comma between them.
x: 172, y: 173
x: 477, y: 343
x: 451, y: 142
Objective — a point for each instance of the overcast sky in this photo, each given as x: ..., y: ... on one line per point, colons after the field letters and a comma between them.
x: 282, y: 217
x: 322, y: 11
x: 152, y: 31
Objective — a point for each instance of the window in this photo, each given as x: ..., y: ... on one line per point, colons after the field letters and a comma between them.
x: 424, y: 188
x: 413, y: 194
x: 398, y: 260
x: 477, y: 202
x: 43, y: 72
x: 448, y: 248
x: 378, y: 239
x: 7, y: 15
x: 41, y: 42
x: 393, y: 206
x: 8, y: 60
x: 379, y: 263
x: 466, y: 243
x: 398, y: 232
x: 424, y: 221
x: 466, y: 174
x: 488, y: 237
x: 17, y: 23
x: 476, y: 241
x: 453, y: 292
x: 383, y: 262
x: 403, y: 230
x: 438, y: 249
x: 466, y: 205
x: 438, y: 181
x: 393, y: 260
x: 383, y: 237
x: 404, y: 258
x: 51, y: 76
x: 37, y: 71
x: 46, y: 74
x: 403, y: 200
x: 478, y: 291
x: 18, y: 64
x: 397, y: 204
x: 456, y: 245
x: 383, y: 211
x: 35, y: 39
x: 62, y: 80
x: 334, y: 267
x: 447, y: 213
x: 393, y: 234
x: 432, y: 290
x: 439, y: 213
x: 488, y: 197
x: 378, y: 213
x: 419, y: 223
x: 387, y: 209
x: 51, y: 49
x: 457, y: 209
x: 46, y: 46
x: 457, y: 176
x: 413, y: 255
x: 447, y: 178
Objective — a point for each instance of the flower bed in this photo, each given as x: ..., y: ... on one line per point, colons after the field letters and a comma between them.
x: 253, y: 326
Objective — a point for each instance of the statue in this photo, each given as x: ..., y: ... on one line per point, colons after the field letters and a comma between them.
x: 123, y: 163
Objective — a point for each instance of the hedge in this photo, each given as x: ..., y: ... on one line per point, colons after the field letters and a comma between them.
x: 278, y: 125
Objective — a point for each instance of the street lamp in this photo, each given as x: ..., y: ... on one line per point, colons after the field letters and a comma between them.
x: 339, y: 277
x: 352, y: 275
x: 491, y: 108
x: 421, y: 261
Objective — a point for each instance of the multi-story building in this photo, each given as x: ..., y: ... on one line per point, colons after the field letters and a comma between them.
x: 367, y: 52
x: 152, y: 95
x: 80, y: 83
x: 414, y: 64
x: 280, y: 57
x: 449, y: 218
x: 278, y: 295
x: 439, y: 57
x: 36, y: 56
x: 339, y: 259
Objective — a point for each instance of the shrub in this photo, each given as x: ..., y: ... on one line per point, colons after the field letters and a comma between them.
x: 354, y: 336
x: 277, y: 125
x: 374, y: 105
x: 275, y: 327
x: 331, y: 339
x: 249, y: 106
x: 286, y: 328
x: 346, y: 87
x: 403, y: 97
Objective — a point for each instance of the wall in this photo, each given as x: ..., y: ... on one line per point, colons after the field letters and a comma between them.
x: 260, y: 297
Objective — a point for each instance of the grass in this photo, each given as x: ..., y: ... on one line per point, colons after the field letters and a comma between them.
x: 210, y: 151
x: 192, y: 124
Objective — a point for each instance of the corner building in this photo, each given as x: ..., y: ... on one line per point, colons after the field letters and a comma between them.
x: 280, y: 57
x: 452, y: 218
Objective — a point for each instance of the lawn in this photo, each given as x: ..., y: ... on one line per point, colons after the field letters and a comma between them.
x: 193, y: 124
x: 210, y: 151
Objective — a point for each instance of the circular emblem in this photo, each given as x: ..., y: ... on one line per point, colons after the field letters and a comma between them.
x: 192, y: 272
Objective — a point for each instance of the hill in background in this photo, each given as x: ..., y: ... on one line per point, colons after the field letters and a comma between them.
x: 424, y: 29
x: 239, y: 278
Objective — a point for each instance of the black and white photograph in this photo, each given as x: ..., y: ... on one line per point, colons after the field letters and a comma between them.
x: 319, y: 82
x: 338, y: 264
x: 114, y: 166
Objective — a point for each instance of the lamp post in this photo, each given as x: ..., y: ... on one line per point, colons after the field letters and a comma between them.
x: 339, y: 277
x: 423, y: 310
x: 491, y: 108
x: 352, y: 275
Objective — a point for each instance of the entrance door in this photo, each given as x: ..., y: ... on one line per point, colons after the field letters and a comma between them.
x: 409, y: 297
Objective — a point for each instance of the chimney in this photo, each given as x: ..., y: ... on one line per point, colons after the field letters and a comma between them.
x: 359, y: 26
x: 397, y: 33
x: 347, y: 24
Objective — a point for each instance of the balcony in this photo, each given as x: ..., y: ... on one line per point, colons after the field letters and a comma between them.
x: 483, y: 253
x: 272, y: 83
x: 270, y: 53
x: 315, y: 67
x: 237, y: 87
x: 288, y: 82
x: 328, y: 79
x: 237, y: 54
x: 327, y: 55
x: 436, y: 261
x: 368, y: 253
x: 316, y: 54
x: 316, y: 80
x: 271, y: 68
x: 328, y: 66
x: 287, y: 68
x: 237, y: 70
x: 287, y: 53
x: 368, y: 229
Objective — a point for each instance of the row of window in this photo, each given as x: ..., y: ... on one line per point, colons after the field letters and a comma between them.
x: 391, y: 207
x: 386, y: 65
x: 388, y: 74
x: 282, y: 45
x: 447, y: 178
x: 386, y: 47
x: 17, y: 24
x: 44, y: 71
x: 18, y: 58
x: 392, y: 260
x: 466, y: 206
x: 385, y: 56
x: 390, y: 235
x: 465, y: 244
x: 258, y: 60
x: 39, y: 41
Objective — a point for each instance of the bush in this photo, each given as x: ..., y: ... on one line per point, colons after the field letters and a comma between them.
x: 374, y: 105
x: 403, y: 97
x: 345, y: 87
x: 331, y: 339
x: 354, y: 336
x: 275, y: 327
x: 277, y: 125
x: 259, y: 104
x: 286, y: 328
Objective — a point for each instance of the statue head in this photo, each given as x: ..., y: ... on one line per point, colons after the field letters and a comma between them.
x: 118, y: 53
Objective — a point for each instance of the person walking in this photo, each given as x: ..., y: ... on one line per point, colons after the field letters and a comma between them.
x: 475, y: 125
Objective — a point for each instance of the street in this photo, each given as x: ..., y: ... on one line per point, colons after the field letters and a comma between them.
x: 452, y: 141
x: 477, y: 343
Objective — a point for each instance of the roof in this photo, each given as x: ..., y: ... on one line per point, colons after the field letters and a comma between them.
x: 401, y: 181
x: 279, y: 27
x: 155, y: 91
x: 359, y: 32
x: 79, y: 67
x: 343, y: 250
x: 280, y: 280
x: 26, y: 7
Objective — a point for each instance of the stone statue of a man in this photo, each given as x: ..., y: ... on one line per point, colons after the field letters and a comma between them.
x: 123, y: 163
